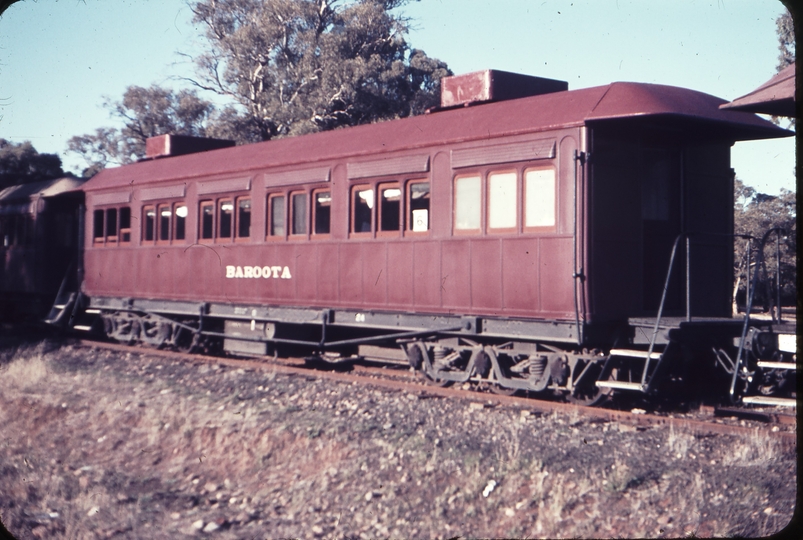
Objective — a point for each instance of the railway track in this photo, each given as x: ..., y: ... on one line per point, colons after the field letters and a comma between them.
x: 708, y: 420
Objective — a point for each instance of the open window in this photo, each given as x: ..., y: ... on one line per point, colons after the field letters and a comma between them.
x: 207, y: 221
x: 225, y: 220
x: 362, y: 210
x: 164, y: 215
x: 418, y: 206
x: 98, y: 228
x: 389, y: 208
x: 148, y: 224
x: 180, y: 221
x: 111, y: 226
x: 125, y: 225
x: 243, y: 218
x: 321, y: 211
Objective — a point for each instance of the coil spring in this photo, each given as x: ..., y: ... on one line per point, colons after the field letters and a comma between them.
x: 439, y: 353
x: 537, y: 367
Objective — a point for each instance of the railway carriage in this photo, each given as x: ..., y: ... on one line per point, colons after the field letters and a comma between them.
x: 39, y: 241
x: 519, y: 235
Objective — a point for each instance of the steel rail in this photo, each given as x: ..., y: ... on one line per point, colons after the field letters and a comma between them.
x: 788, y: 439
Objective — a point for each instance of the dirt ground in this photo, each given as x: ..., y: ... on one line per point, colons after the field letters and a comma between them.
x: 107, y: 445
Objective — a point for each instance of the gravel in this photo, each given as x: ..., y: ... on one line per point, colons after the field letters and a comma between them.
x: 101, y: 444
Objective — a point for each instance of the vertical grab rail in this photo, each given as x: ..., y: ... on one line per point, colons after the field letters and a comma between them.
x: 663, y: 301
x: 749, y: 302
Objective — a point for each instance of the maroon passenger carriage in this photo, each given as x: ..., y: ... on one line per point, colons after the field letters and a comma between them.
x: 519, y: 235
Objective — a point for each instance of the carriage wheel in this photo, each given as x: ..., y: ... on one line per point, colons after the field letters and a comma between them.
x: 588, y: 393
x: 184, y: 340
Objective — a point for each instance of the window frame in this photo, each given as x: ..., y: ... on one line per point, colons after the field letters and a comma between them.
x: 206, y: 203
x: 238, y: 218
x: 480, y: 228
x: 380, y: 187
x: 291, y: 214
x: 269, y: 236
x: 353, y: 190
x: 408, y: 208
x: 219, y: 238
x: 174, y: 225
x: 121, y: 236
x: 487, y: 203
x: 160, y: 209
x: 541, y: 228
x: 313, y: 211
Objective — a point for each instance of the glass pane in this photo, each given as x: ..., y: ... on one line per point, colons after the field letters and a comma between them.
x: 243, y: 218
x: 277, y: 216
x: 502, y: 200
x: 323, y: 206
x: 363, y: 204
x: 390, y: 207
x: 150, y: 223
x: 539, y: 204
x: 226, y: 219
x: 299, y: 201
x: 97, y: 227
x: 467, y: 203
x: 207, y: 221
x: 125, y: 224
x: 181, y: 222
x: 418, y: 220
x: 164, y: 223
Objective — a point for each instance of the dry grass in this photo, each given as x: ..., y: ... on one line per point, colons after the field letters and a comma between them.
x: 118, y: 451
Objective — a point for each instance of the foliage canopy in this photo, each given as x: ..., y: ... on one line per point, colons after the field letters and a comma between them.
x: 298, y: 66
x: 21, y: 163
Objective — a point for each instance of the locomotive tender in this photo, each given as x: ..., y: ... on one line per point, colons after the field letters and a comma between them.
x: 519, y: 235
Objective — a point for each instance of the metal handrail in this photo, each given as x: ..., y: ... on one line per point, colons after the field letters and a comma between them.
x: 749, y: 301
x: 656, y: 327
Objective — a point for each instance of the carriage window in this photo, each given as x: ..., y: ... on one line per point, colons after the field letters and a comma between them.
x: 276, y: 217
x: 322, y: 211
x: 97, y: 227
x: 362, y: 209
x: 389, y: 207
x: 180, y: 221
x: 207, y: 220
x: 418, y: 206
x: 243, y: 218
x: 149, y: 223
x: 467, y: 200
x: 539, y: 198
x: 502, y: 201
x: 164, y: 223
x: 125, y: 225
x: 225, y: 219
x: 111, y: 225
x: 298, y: 213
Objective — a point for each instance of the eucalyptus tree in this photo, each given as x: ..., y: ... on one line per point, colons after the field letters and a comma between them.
x: 299, y: 66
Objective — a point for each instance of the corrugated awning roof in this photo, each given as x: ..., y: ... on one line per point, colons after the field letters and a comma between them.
x: 776, y: 96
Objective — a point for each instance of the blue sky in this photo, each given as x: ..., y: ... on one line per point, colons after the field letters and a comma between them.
x: 60, y: 58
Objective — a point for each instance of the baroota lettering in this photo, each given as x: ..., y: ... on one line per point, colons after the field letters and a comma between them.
x: 278, y: 272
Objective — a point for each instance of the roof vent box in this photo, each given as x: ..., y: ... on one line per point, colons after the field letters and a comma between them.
x: 178, y: 145
x: 494, y: 85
